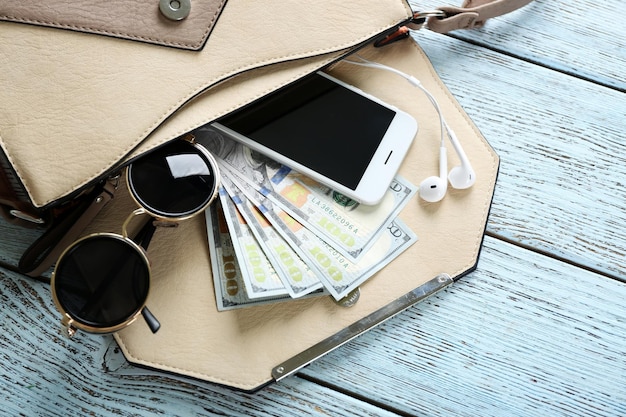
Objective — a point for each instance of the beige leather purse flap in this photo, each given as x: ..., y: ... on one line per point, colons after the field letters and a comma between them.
x: 177, y: 23
x: 74, y: 105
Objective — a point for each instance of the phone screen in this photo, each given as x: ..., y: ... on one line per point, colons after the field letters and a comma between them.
x: 319, y: 124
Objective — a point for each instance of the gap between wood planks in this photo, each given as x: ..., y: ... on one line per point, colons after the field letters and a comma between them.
x: 353, y: 394
x: 554, y: 256
x: 535, y: 62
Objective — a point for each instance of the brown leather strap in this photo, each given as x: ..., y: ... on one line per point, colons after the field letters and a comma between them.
x: 473, y: 14
x: 44, y: 252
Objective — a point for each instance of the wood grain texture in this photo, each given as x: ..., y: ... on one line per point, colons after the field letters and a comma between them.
x: 538, y: 329
x: 583, y: 38
x: 563, y: 158
x: 45, y: 374
x: 506, y: 339
x: 523, y: 335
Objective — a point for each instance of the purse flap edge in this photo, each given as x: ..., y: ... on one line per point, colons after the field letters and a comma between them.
x: 140, y: 20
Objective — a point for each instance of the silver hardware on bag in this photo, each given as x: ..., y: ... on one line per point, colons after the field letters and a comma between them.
x: 297, y: 362
x: 350, y: 299
x: 175, y: 9
x: 25, y: 216
x: 420, y: 17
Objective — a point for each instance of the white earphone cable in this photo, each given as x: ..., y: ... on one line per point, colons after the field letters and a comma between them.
x: 433, y: 188
x: 445, y: 129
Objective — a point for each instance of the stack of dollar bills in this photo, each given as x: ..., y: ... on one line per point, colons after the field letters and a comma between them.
x: 276, y: 235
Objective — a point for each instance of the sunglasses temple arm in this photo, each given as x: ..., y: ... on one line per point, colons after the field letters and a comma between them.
x: 144, y: 236
x: 151, y: 321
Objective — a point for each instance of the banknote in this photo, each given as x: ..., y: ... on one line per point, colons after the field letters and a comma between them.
x: 230, y: 288
x: 351, y: 228
x: 397, y: 237
x: 339, y: 274
x: 258, y: 273
x: 341, y: 221
x: 280, y: 221
x: 295, y: 274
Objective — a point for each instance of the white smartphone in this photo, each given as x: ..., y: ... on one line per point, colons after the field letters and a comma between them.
x: 328, y: 130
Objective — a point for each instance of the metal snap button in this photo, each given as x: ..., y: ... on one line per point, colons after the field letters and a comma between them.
x: 175, y: 9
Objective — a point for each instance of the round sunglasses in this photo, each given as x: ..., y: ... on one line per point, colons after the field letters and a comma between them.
x: 101, y: 282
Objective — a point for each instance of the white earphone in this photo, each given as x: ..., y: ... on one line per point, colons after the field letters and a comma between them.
x: 434, y: 188
x: 461, y: 176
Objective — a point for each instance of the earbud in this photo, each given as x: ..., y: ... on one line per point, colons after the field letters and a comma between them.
x: 434, y: 188
x: 461, y: 176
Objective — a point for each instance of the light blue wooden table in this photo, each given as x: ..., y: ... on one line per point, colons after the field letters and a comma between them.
x: 539, y: 329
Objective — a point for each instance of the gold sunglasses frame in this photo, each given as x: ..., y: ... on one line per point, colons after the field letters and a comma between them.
x: 70, y: 324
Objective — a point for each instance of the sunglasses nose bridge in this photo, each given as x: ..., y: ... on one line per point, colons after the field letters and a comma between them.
x: 125, y: 226
x: 141, y: 239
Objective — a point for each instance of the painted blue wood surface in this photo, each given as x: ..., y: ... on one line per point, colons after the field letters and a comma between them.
x: 560, y: 139
x: 523, y: 335
x: 538, y: 329
x: 583, y: 38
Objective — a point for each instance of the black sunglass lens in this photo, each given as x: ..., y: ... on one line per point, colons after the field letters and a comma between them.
x: 174, y: 181
x: 102, y: 281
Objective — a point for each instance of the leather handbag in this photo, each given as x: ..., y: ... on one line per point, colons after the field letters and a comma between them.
x: 86, y: 89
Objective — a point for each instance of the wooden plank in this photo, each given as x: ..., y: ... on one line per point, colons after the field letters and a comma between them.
x: 44, y: 373
x: 523, y: 335
x: 563, y: 157
x: 582, y: 38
